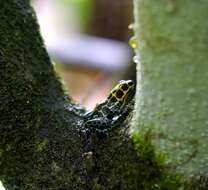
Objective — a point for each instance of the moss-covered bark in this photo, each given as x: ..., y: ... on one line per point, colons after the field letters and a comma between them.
x: 41, y: 145
x: 35, y: 132
x: 172, y: 92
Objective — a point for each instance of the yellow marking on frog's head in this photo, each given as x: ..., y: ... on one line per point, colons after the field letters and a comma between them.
x: 121, y: 91
x: 117, y: 95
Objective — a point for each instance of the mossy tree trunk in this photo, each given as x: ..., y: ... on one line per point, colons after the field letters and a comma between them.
x: 42, y: 145
x: 172, y: 56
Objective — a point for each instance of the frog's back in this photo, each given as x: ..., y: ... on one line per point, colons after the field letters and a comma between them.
x: 108, y: 113
x: 101, y: 110
x: 113, y: 105
x: 115, y: 101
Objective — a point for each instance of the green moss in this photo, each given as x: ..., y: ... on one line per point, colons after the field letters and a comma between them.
x: 41, y: 145
x: 165, y: 178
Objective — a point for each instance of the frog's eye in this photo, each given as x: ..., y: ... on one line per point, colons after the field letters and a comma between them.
x: 124, y: 87
x: 130, y: 83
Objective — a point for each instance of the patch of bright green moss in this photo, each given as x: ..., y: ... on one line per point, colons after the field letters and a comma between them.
x: 163, y: 178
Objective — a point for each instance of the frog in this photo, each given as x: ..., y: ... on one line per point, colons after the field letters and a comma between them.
x: 107, y: 114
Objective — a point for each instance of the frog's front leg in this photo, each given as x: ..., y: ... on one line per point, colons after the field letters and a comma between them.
x: 99, y: 125
x: 119, y: 119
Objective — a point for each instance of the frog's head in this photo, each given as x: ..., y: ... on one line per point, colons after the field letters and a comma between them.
x: 126, y: 85
x: 122, y: 91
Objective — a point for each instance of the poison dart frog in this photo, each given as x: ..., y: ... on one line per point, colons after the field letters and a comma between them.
x: 106, y: 114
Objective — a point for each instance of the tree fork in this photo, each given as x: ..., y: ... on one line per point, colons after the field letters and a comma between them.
x: 41, y: 146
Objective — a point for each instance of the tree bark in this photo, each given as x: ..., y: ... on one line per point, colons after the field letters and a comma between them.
x: 42, y: 144
x: 172, y: 103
